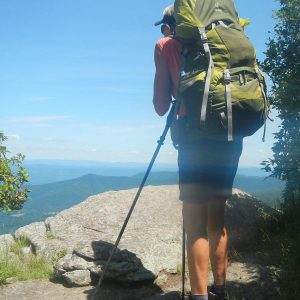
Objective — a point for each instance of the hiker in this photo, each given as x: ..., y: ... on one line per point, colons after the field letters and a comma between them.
x: 206, y: 173
x: 207, y: 161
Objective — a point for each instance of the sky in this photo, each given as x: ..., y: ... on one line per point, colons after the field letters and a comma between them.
x: 76, y: 79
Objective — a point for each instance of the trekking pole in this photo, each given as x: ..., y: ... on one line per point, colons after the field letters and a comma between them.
x: 160, y: 142
x: 183, y: 263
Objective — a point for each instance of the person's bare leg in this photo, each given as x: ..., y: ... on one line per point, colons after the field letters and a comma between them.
x: 218, y: 240
x: 195, y: 223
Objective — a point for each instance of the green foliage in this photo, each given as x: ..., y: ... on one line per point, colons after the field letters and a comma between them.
x: 281, y: 241
x: 23, y: 267
x: 12, y: 178
x: 58, y: 255
x: 13, y: 263
x: 50, y: 235
x: 282, y: 63
x: 283, y: 67
x: 290, y: 279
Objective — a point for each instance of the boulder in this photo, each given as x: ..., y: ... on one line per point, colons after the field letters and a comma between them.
x: 124, y: 267
x: 244, y: 217
x: 72, y: 262
x: 151, y: 242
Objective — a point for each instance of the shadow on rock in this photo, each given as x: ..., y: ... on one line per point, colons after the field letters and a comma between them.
x: 250, y: 291
x: 124, y: 267
x: 254, y: 279
x: 117, y: 291
x: 125, y: 279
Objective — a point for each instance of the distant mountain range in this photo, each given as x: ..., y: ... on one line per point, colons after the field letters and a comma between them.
x: 48, y: 171
x: 49, y: 199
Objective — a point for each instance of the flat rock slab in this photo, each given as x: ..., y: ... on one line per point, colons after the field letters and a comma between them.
x: 43, y: 290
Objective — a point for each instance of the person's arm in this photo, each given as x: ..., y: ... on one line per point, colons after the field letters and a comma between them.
x: 162, y: 84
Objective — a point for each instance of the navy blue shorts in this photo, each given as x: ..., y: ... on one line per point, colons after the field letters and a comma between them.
x: 207, y: 169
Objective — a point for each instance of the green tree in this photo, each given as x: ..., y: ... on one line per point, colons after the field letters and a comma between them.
x: 12, y: 178
x: 282, y: 64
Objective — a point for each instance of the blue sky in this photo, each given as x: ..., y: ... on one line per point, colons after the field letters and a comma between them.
x: 76, y: 79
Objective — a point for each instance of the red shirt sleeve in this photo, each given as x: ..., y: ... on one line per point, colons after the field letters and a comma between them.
x: 167, y: 62
x: 172, y: 54
x: 162, y: 83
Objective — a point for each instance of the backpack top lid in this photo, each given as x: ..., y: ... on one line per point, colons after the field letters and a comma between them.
x: 209, y: 11
x: 192, y: 14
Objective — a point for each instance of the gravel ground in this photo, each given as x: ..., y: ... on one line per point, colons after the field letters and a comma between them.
x: 247, y: 279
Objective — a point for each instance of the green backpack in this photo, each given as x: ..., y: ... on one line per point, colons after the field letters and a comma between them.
x: 221, y: 86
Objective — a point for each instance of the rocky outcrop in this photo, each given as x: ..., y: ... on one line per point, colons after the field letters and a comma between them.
x: 245, y: 216
x: 151, y: 243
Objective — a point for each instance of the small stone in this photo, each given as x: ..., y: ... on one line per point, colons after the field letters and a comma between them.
x: 77, y: 277
x: 11, y: 280
x: 59, y: 265
x: 172, y: 271
x: 74, y: 262
x: 161, y: 279
x: 26, y: 251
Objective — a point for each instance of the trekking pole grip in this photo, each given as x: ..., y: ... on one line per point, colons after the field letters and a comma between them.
x: 169, y: 121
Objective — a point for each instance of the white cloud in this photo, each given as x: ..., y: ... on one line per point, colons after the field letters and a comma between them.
x: 39, y: 119
x: 119, y: 90
x: 39, y: 99
x: 13, y: 136
x: 48, y: 139
x: 55, y: 140
x: 116, y: 129
x: 134, y: 152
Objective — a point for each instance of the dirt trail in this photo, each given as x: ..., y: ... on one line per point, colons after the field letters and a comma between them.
x: 248, y: 278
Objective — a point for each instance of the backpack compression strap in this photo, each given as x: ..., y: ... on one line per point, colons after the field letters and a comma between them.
x: 266, y: 102
x: 204, y: 41
x: 227, y: 80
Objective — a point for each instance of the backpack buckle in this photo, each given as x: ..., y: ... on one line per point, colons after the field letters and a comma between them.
x: 227, y: 77
x: 260, y: 77
x: 203, y: 36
